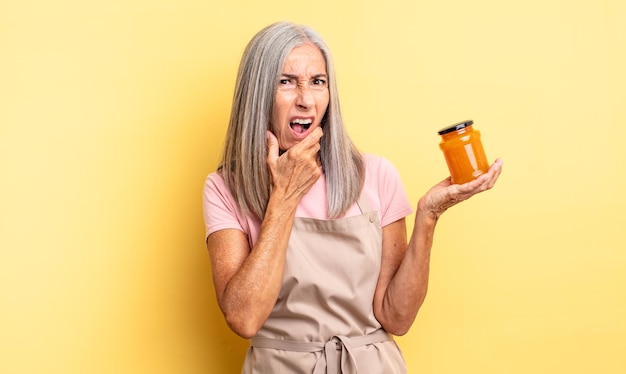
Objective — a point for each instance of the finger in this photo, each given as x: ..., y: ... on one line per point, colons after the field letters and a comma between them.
x: 466, y: 190
x: 496, y: 166
x: 312, y: 140
x: 272, y: 147
x: 308, y: 148
x: 495, y: 170
x: 487, y: 180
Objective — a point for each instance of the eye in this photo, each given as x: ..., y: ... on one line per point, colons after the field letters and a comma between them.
x: 319, y: 83
x: 286, y: 82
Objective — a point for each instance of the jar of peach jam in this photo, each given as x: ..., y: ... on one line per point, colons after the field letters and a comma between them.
x: 463, y: 151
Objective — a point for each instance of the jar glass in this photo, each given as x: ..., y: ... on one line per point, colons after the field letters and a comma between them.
x: 463, y: 152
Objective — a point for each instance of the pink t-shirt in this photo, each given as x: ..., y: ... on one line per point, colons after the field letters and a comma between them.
x: 382, y: 188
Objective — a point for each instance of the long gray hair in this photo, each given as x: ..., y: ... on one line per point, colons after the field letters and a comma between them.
x: 244, y: 166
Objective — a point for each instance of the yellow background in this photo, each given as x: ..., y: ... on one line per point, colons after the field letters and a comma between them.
x: 113, y: 112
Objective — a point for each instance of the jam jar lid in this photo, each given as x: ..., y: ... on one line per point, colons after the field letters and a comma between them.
x: 456, y: 126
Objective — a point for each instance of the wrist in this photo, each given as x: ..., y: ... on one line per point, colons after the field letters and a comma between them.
x: 279, y: 201
x: 426, y: 213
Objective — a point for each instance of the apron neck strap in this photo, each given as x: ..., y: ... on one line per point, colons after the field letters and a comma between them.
x: 363, y: 204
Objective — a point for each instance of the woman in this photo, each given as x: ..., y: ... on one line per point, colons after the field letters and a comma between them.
x: 307, y: 236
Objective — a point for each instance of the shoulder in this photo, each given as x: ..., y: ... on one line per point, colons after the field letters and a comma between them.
x: 379, y: 167
x: 376, y: 161
x: 383, y: 186
x: 219, y: 206
x: 214, y: 180
x: 216, y: 191
x: 372, y: 159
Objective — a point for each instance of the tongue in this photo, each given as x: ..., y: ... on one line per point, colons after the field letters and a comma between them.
x: 298, y: 128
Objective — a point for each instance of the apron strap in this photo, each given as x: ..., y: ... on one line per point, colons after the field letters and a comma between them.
x: 366, y: 210
x: 336, y: 351
x: 363, y: 204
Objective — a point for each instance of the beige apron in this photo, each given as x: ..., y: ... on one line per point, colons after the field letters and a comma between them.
x: 323, y: 320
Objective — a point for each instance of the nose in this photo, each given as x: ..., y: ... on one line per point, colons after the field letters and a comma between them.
x: 305, y: 99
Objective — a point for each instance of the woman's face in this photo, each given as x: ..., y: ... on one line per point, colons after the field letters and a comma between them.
x: 302, y: 95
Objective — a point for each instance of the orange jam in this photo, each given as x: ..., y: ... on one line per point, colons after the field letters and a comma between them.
x: 463, y: 151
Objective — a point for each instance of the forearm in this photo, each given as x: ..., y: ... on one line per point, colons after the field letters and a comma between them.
x: 407, y: 289
x: 251, y: 293
x: 400, y: 293
x: 248, y: 280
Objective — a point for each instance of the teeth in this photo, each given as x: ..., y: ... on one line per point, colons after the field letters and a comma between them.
x: 302, y: 121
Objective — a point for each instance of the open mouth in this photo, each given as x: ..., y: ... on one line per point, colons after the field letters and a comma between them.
x: 300, y: 125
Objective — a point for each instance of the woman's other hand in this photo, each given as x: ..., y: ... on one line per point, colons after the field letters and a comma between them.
x: 444, y: 195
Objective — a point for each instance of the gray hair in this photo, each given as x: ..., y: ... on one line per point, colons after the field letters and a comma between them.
x: 244, y: 165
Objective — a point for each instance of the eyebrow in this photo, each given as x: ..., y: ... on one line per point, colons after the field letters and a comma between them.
x: 293, y: 76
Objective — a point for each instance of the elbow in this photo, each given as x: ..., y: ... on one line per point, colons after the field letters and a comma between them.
x: 243, y: 326
x: 244, y: 318
x: 397, y: 324
x: 397, y: 329
x: 401, y: 330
